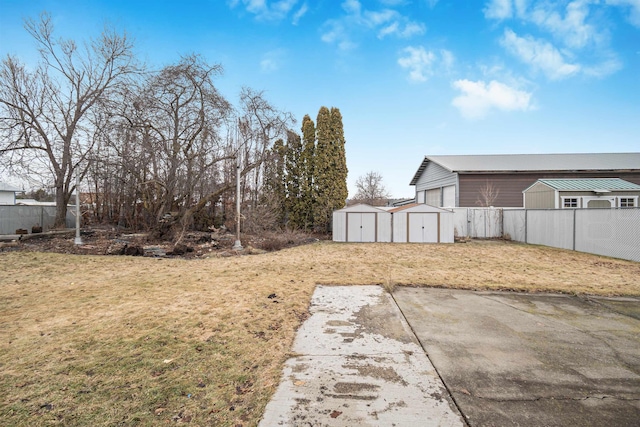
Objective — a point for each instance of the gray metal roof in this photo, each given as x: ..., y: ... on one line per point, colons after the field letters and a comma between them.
x: 590, y: 184
x: 534, y: 162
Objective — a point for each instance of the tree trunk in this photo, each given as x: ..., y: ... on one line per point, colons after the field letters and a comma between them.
x: 61, y: 207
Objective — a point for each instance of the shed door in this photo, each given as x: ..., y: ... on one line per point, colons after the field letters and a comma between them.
x: 361, y: 227
x: 423, y: 227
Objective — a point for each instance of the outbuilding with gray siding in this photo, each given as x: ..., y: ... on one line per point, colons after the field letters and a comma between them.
x: 581, y: 193
x: 461, y: 180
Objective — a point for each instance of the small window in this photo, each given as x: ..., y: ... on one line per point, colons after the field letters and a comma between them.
x: 627, y: 202
x: 570, y: 203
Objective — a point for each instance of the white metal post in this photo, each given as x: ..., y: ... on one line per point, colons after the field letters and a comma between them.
x: 238, y: 245
x: 78, y: 239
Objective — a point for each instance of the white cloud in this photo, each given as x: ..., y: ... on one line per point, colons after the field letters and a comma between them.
x: 498, y: 9
x: 299, y: 14
x: 447, y: 59
x: 384, y: 22
x: 412, y: 29
x: 479, y: 98
x: 407, y: 31
x: 539, y: 54
x: 352, y: 6
x: 268, y: 65
x: 334, y: 32
x: 376, y: 18
x: 267, y: 11
x: 572, y: 37
x: 603, y: 68
x: 389, y: 29
x: 271, y: 60
x: 421, y: 63
x: 632, y: 5
x: 418, y: 61
x: 571, y: 29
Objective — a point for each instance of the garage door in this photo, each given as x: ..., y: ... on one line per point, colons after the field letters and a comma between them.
x: 433, y: 197
x: 423, y: 227
x: 361, y: 227
x: 449, y: 196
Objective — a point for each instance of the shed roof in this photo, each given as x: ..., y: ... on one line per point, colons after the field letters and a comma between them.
x: 590, y: 184
x: 533, y: 162
x: 8, y: 187
x: 361, y: 207
x: 420, y: 207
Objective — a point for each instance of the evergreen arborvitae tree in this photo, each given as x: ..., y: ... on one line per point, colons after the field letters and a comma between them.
x: 324, y: 173
x: 274, y: 194
x: 293, y: 180
x: 340, y: 191
x: 308, y: 193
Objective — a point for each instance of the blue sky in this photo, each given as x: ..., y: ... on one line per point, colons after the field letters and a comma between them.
x: 411, y: 78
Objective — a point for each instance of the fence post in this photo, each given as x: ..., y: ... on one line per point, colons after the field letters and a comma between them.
x: 526, y: 214
x: 574, y: 229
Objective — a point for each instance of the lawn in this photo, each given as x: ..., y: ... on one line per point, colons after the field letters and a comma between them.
x: 106, y: 340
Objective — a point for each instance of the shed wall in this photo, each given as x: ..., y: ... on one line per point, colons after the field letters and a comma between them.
x: 376, y: 225
x: 539, y: 196
x: 7, y: 198
x: 403, y: 221
x: 339, y: 226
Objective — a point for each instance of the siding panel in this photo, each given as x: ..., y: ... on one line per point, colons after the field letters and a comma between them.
x: 511, y: 185
x: 435, y: 176
x: 540, y: 196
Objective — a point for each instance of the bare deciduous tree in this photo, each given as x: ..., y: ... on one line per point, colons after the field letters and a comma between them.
x: 488, y: 194
x: 370, y: 190
x: 45, y: 120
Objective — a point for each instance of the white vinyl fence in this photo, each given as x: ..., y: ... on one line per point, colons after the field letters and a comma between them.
x: 16, y: 217
x: 478, y: 223
x: 608, y: 232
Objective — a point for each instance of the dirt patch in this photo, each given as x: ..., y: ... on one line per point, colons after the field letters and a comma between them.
x: 110, y: 241
x: 373, y: 319
x: 386, y: 373
x: 353, y: 388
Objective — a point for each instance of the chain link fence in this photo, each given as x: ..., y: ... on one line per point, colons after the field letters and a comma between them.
x: 608, y: 232
x: 14, y: 217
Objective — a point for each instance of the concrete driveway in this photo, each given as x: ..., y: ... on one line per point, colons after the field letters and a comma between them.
x: 438, y: 357
x: 530, y: 359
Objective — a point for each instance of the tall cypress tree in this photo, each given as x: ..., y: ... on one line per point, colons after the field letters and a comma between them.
x: 308, y: 193
x: 340, y: 191
x: 293, y: 179
x: 324, y: 171
x: 274, y: 194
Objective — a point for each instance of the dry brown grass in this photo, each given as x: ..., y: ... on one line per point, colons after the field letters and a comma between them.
x: 90, y: 340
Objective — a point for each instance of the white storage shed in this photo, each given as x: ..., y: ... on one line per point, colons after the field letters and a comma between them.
x: 420, y: 223
x: 361, y: 223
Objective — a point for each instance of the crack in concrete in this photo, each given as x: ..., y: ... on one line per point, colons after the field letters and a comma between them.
x: 560, y: 398
x: 465, y: 417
